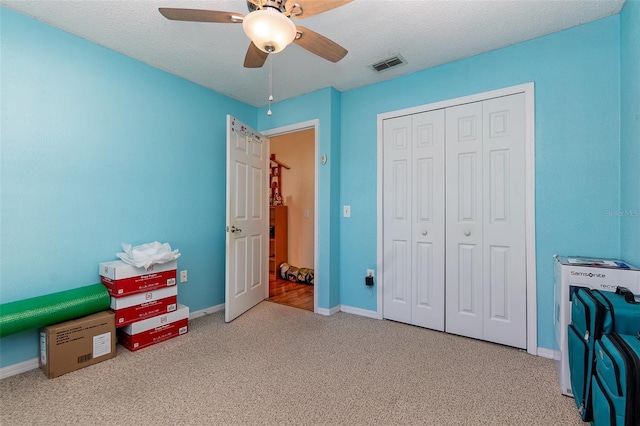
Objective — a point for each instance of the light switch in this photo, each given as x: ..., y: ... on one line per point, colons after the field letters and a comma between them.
x: 347, y: 211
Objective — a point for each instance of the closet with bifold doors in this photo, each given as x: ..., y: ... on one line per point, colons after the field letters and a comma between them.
x: 453, y: 225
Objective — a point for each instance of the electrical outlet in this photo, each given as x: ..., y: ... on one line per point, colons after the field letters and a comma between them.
x: 183, y: 276
x: 368, y: 281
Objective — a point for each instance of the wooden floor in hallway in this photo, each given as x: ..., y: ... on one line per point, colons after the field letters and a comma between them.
x: 290, y: 293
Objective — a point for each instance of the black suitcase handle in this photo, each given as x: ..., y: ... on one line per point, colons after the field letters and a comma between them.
x: 628, y: 296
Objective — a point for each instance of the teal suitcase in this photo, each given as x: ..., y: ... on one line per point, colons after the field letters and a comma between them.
x: 616, y: 382
x: 595, y: 313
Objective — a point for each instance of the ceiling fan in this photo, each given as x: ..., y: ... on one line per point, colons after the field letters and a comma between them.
x: 270, y: 28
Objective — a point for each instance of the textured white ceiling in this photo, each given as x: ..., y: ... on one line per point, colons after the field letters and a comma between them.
x: 426, y: 33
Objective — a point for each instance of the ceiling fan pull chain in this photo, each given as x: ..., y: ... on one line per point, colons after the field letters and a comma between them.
x: 270, y: 84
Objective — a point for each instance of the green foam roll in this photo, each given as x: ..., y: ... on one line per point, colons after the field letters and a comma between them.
x: 52, y: 308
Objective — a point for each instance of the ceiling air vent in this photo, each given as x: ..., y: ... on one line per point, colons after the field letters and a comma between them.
x: 388, y: 63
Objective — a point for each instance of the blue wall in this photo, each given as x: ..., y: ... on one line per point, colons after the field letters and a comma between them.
x: 577, y: 85
x: 98, y: 149
x: 630, y: 131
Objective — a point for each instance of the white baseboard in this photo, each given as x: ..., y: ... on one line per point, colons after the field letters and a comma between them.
x: 328, y: 312
x: 21, y: 367
x: 206, y: 311
x: 548, y: 353
x: 359, y: 311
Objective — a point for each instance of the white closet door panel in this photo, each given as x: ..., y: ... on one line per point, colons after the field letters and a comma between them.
x: 464, y: 206
x: 466, y: 280
x: 498, y: 307
x: 424, y: 200
x: 464, y: 292
x: 424, y: 271
x: 428, y: 220
x: 504, y: 227
x: 400, y: 284
x: 467, y: 187
x: 400, y: 197
x: 498, y: 191
x: 397, y: 212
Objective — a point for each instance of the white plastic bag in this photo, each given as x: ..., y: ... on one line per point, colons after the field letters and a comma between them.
x: 145, y: 255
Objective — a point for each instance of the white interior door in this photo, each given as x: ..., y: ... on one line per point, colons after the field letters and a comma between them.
x: 414, y: 219
x: 486, y: 261
x: 246, y: 277
x: 464, y: 220
x: 397, y: 219
x: 428, y: 225
x: 504, y: 269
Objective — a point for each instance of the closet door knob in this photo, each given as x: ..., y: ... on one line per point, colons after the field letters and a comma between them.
x: 424, y: 232
x: 467, y: 233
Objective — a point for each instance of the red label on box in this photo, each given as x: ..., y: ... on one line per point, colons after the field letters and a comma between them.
x: 139, y: 284
x: 153, y: 336
x: 145, y: 310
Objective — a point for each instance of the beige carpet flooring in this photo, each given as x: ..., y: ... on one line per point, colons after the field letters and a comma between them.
x: 281, y: 365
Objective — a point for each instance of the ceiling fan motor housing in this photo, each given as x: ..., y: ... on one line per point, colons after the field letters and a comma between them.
x: 279, y: 5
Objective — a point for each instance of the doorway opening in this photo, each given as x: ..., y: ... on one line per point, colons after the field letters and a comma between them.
x: 292, y: 242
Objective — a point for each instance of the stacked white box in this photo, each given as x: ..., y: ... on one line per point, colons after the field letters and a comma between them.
x: 145, y: 302
x: 122, y: 279
x: 154, y: 330
x: 129, y: 309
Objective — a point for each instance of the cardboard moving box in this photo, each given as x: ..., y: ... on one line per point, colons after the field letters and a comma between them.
x: 78, y: 343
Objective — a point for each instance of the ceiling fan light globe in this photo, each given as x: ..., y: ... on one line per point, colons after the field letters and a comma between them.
x: 269, y: 30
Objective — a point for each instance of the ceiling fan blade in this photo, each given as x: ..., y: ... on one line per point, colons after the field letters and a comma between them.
x: 255, y: 57
x: 198, y: 15
x: 313, y: 7
x: 319, y: 45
